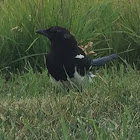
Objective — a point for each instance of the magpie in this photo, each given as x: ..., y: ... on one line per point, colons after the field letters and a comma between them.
x: 66, y: 62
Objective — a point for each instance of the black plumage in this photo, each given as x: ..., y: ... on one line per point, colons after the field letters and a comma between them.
x: 65, y: 59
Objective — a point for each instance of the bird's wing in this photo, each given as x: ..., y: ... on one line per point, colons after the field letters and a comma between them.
x: 82, y: 62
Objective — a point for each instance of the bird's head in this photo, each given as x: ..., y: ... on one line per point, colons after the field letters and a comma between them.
x: 59, y: 37
x: 55, y: 32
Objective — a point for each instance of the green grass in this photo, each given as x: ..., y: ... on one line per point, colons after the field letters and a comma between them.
x: 113, y: 26
x: 31, y: 108
x: 109, y: 108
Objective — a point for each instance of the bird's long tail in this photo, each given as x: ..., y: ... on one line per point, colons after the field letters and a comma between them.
x: 103, y: 60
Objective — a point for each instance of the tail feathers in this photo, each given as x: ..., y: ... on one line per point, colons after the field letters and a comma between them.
x: 103, y: 60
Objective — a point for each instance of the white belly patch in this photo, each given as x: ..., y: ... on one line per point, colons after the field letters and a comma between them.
x: 76, y: 81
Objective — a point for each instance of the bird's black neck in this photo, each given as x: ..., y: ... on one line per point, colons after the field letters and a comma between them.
x: 64, y: 49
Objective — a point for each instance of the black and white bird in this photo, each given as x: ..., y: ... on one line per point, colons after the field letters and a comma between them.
x: 66, y: 62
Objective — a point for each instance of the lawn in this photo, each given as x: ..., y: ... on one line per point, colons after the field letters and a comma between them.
x: 109, y: 108
x: 31, y: 108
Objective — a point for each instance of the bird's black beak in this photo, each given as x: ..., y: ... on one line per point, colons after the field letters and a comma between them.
x: 42, y: 32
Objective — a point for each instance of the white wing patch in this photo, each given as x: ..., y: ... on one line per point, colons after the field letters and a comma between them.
x: 79, y: 56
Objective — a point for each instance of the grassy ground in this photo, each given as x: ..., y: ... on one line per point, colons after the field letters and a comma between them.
x: 31, y: 108
x: 109, y: 108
